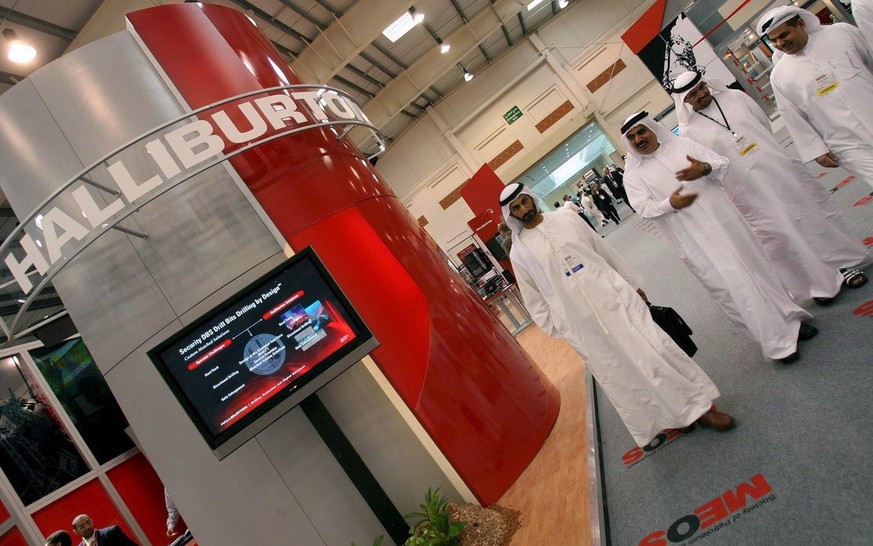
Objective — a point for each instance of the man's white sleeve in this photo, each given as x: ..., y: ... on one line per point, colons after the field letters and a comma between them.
x: 612, y: 257
x: 534, y: 302
x: 639, y: 195
x: 807, y: 140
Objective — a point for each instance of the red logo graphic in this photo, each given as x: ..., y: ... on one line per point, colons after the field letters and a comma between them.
x: 864, y: 200
x: 868, y: 241
x: 842, y: 184
x: 865, y: 310
x: 713, y: 512
x: 636, y: 454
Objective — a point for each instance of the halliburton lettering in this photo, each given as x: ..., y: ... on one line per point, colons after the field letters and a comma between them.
x: 713, y: 513
x: 175, y: 152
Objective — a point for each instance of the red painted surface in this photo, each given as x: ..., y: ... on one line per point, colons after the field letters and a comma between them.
x: 482, y: 195
x: 863, y: 201
x: 89, y: 499
x: 868, y: 241
x: 646, y: 28
x: 143, y: 494
x: 482, y: 192
x: 12, y: 537
x: 465, y: 378
x: 4, y: 514
x: 865, y: 309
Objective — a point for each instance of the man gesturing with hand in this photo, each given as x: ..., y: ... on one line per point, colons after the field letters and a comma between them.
x: 711, y: 236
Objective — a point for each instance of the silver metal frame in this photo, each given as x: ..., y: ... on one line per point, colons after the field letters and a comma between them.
x: 21, y: 515
x: 11, y: 330
x: 597, y: 508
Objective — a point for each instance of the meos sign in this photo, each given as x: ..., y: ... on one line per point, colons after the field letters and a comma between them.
x: 51, y: 236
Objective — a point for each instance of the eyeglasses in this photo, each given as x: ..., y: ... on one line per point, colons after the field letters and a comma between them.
x: 697, y: 93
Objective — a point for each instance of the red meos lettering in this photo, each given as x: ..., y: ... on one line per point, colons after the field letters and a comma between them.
x: 711, y: 512
x: 756, y: 489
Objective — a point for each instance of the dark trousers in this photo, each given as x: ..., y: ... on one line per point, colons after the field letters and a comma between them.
x: 609, y: 211
x: 623, y: 195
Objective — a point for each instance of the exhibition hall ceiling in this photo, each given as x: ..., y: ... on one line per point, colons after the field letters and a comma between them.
x: 308, y: 31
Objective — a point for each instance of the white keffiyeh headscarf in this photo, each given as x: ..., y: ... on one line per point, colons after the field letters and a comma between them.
x: 519, y: 252
x: 777, y: 16
x: 635, y: 158
x: 683, y: 85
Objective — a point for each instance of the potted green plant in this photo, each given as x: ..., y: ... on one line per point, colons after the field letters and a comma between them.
x: 434, y: 527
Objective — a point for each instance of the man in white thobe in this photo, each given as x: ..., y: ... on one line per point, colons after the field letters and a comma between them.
x: 862, y: 11
x: 591, y: 208
x: 577, y: 288
x: 569, y: 204
x: 823, y: 86
x: 711, y: 236
x: 802, y: 232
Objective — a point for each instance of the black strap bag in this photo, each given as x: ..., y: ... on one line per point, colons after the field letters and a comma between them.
x: 671, y: 322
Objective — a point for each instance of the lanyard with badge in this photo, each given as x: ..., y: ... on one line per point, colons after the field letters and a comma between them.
x: 572, y: 264
x: 742, y: 144
x: 824, y: 83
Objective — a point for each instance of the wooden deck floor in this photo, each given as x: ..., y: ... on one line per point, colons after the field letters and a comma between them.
x: 552, y: 493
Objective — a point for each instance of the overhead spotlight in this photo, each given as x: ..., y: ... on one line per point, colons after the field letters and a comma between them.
x: 467, y: 75
x: 19, y: 52
x: 563, y: 4
x: 444, y: 47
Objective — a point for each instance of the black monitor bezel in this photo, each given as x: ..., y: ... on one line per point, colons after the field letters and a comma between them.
x: 227, y: 441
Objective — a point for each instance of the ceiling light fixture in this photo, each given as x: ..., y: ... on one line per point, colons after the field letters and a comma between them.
x: 416, y: 16
x: 467, y: 75
x: 19, y: 52
x: 534, y: 4
x: 403, y: 24
x: 444, y: 47
x: 563, y: 3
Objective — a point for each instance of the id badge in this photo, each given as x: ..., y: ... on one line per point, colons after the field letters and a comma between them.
x: 572, y: 265
x: 824, y: 84
x: 745, y: 146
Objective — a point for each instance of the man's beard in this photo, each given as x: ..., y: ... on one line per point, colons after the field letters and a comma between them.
x: 530, y: 215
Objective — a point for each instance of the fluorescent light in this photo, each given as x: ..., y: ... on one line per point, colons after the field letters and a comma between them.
x: 534, y: 4
x: 402, y: 25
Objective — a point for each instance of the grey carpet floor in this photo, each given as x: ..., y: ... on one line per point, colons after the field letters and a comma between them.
x: 798, y: 468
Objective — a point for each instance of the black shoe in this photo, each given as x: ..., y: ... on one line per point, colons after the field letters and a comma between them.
x: 806, y: 332
x: 823, y: 301
x: 790, y: 359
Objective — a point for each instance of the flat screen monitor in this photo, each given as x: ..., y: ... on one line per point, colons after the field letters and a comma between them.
x: 245, y: 363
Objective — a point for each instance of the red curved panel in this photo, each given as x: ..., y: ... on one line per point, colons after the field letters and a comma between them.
x: 91, y: 499
x: 143, y: 494
x: 13, y: 537
x: 464, y: 376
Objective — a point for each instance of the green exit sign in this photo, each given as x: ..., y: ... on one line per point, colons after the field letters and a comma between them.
x: 513, y: 114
